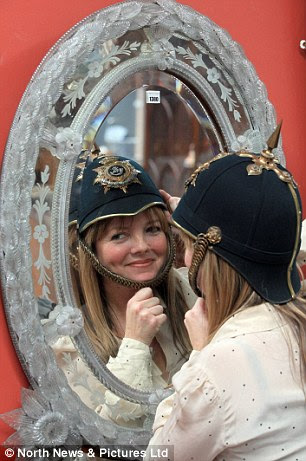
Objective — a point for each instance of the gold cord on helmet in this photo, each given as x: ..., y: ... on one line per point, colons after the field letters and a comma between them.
x: 204, y: 166
x: 212, y: 237
x: 74, y: 261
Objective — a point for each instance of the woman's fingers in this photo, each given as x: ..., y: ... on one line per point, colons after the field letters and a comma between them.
x: 156, y: 310
x: 170, y: 201
x: 196, y: 323
x: 198, y: 310
x: 164, y: 195
x: 143, y: 293
x: 144, y: 316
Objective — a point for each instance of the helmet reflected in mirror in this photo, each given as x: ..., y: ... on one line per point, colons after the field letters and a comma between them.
x: 112, y: 187
x: 115, y: 186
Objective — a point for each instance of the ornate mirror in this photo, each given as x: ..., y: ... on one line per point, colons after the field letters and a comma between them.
x: 156, y: 82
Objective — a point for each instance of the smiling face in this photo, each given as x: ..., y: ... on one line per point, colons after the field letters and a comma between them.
x: 133, y: 247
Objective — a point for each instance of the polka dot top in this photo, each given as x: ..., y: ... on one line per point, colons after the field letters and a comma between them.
x: 239, y: 398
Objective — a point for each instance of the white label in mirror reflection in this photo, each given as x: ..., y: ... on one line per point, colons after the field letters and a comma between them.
x: 152, y: 97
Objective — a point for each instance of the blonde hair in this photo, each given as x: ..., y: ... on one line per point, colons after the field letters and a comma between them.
x: 98, y: 321
x: 226, y: 291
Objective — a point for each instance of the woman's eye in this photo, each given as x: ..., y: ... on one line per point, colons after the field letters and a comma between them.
x: 119, y: 236
x: 154, y: 229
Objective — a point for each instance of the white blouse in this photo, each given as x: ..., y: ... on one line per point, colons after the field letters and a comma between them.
x: 239, y: 398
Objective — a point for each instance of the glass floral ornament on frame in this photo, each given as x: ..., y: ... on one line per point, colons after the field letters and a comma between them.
x: 63, y: 321
x: 39, y: 423
x: 69, y: 144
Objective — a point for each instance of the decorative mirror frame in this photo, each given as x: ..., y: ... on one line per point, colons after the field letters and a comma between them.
x: 73, y: 422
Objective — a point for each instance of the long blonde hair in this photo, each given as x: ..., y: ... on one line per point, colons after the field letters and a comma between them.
x: 226, y: 291
x: 98, y: 322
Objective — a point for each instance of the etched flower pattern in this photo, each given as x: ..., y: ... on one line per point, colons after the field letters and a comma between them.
x: 250, y: 140
x: 41, y: 233
x: 75, y: 90
x: 94, y: 69
x: 213, y: 75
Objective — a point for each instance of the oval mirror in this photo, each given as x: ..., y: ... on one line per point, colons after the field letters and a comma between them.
x: 156, y: 81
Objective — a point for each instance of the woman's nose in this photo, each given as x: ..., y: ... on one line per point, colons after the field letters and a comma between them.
x: 139, y: 243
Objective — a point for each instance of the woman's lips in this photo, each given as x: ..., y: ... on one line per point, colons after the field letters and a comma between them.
x: 141, y: 263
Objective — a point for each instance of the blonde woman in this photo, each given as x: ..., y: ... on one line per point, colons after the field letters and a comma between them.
x: 133, y: 301
x: 241, y: 395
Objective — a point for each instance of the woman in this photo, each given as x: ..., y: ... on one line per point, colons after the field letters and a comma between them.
x: 133, y: 302
x: 241, y: 395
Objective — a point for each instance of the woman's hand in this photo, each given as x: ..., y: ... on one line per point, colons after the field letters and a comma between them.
x: 144, y: 316
x: 170, y: 201
x: 197, y: 325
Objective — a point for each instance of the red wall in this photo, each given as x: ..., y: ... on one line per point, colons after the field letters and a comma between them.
x: 268, y: 30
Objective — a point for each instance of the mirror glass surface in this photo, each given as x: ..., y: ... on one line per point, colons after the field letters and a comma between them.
x: 161, y: 124
x: 152, y: 117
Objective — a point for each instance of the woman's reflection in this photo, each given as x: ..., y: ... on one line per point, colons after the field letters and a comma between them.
x: 133, y: 301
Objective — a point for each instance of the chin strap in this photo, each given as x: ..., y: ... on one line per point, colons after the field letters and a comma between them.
x: 102, y: 270
x: 201, y: 244
x: 74, y: 261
